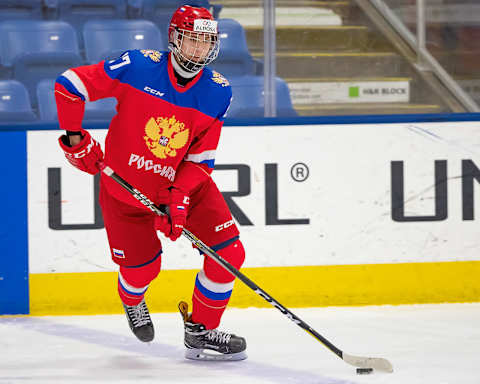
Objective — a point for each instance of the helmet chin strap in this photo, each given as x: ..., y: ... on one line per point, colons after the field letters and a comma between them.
x: 180, y: 70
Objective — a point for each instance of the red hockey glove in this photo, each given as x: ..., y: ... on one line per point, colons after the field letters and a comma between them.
x: 171, y: 225
x: 86, y: 155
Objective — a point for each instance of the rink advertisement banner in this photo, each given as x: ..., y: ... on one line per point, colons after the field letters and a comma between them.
x: 311, y: 92
x: 390, y: 209
x: 302, y: 195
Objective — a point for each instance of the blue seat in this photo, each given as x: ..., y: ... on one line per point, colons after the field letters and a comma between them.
x: 103, y: 109
x: 108, y: 38
x: 152, y: 9
x: 160, y: 11
x: 78, y: 12
x: 20, y: 9
x: 14, y: 102
x: 35, y: 36
x: 37, y: 50
x: 234, y: 58
x: 248, y: 97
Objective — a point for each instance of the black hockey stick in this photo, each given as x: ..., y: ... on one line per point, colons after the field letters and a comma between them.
x: 376, y: 363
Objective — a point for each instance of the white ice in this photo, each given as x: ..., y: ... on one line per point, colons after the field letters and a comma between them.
x: 427, y: 344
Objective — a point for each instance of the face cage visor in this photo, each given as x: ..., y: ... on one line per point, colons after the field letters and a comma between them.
x: 194, y: 50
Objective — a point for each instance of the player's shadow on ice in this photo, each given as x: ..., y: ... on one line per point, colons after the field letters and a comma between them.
x: 249, y: 368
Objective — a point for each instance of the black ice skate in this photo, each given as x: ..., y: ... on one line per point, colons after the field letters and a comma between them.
x: 139, y: 321
x: 198, y: 340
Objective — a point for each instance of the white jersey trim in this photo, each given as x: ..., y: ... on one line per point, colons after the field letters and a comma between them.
x: 212, y: 286
x: 77, y: 83
x: 199, y: 157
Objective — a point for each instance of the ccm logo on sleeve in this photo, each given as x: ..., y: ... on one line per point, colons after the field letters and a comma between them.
x: 218, y: 228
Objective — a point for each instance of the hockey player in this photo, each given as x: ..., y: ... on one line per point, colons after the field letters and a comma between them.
x: 162, y: 140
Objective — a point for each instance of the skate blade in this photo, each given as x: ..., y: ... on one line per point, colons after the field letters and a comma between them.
x: 201, y: 354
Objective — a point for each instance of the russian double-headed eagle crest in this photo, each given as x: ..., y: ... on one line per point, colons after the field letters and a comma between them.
x: 165, y: 135
x: 152, y: 54
x: 219, y: 79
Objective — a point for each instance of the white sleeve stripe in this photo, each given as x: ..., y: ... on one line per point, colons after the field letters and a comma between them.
x: 129, y: 287
x: 199, y: 157
x: 77, y: 83
x: 212, y: 286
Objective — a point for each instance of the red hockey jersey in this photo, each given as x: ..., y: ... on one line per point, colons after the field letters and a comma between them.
x: 160, y: 128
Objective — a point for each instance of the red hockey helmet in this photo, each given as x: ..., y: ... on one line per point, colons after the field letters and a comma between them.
x: 193, y: 38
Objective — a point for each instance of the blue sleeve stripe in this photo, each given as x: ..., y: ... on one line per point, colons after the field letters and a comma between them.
x: 210, y: 163
x: 69, y: 86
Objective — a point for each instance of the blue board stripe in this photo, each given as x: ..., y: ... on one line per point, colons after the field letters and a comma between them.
x: 14, y: 295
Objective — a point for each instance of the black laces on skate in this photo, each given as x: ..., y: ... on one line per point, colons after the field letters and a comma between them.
x: 139, y: 314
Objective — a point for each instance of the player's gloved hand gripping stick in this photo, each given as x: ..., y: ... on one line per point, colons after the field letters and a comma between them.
x: 86, y: 155
x: 376, y: 363
x: 177, y: 211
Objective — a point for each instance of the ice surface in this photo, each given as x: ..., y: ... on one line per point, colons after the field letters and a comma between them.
x: 427, y: 344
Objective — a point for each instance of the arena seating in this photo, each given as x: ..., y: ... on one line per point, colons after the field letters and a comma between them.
x: 160, y: 11
x: 109, y: 38
x: 248, y: 100
x: 20, y: 9
x: 37, y: 49
x: 234, y: 58
x: 14, y: 102
x: 326, y: 49
x: 78, y: 12
x: 47, y: 109
x: 43, y: 38
x: 35, y: 36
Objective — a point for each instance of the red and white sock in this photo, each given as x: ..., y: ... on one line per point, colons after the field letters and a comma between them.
x: 209, y: 300
x: 133, y: 282
x: 214, y: 285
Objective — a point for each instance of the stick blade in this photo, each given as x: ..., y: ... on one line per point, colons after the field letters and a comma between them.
x: 377, y: 363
